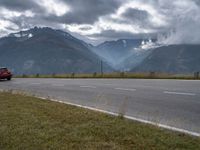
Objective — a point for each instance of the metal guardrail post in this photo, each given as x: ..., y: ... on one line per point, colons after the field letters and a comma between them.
x: 73, y: 75
x: 196, y: 75
x: 101, y: 68
x: 152, y: 74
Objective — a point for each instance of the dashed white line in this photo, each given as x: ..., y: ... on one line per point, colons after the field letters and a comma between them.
x: 58, y: 85
x: 124, y: 89
x: 35, y: 83
x: 93, y: 87
x: 179, y: 93
x: 107, y: 84
x: 17, y: 83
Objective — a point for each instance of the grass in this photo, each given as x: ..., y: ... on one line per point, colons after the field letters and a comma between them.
x: 31, y: 123
x: 122, y: 75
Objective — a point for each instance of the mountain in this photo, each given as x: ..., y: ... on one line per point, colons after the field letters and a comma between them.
x: 122, y: 54
x: 46, y: 51
x: 172, y: 59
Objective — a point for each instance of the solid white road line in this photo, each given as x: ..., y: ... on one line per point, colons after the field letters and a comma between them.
x: 123, y: 89
x: 179, y: 93
x: 129, y: 117
x: 85, y: 86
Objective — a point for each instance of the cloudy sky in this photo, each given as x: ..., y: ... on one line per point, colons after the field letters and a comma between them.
x: 99, y: 20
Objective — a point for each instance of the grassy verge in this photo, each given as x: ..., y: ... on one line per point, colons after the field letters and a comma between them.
x: 122, y: 75
x: 31, y: 123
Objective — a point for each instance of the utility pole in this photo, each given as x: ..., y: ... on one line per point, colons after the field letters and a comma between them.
x: 101, y: 68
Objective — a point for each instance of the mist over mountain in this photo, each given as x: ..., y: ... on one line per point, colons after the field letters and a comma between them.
x: 47, y: 51
x: 172, y: 59
x: 123, y: 54
x: 149, y: 55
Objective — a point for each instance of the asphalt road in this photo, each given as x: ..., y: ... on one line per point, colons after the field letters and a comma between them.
x: 175, y: 103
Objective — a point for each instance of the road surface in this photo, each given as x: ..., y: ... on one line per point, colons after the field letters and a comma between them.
x: 174, y: 103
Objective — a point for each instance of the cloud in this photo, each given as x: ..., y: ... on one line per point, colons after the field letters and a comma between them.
x: 127, y: 19
x: 89, y: 11
x: 136, y: 15
x: 11, y: 14
x: 184, y: 22
x: 18, y: 5
x: 175, y: 21
x: 54, y: 7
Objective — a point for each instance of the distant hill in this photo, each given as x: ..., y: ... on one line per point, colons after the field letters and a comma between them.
x: 122, y: 54
x: 46, y: 51
x: 172, y: 59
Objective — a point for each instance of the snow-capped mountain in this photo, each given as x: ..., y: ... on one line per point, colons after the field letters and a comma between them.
x: 46, y: 51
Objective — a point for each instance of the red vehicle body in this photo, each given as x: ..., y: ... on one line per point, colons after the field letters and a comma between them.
x: 5, y: 74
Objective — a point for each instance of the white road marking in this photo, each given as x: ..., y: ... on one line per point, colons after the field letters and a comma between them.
x: 58, y: 85
x: 93, y: 87
x: 17, y: 83
x: 129, y: 117
x: 123, y: 89
x: 180, y: 93
x: 35, y: 83
x: 107, y: 84
x: 126, y: 116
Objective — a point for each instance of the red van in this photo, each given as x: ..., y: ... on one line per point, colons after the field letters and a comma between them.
x: 5, y: 74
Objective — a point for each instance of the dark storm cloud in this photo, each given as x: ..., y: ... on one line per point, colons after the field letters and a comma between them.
x: 197, y: 2
x: 85, y: 12
x: 88, y: 11
x: 139, y: 17
x: 136, y: 14
x: 81, y: 12
x: 18, y: 4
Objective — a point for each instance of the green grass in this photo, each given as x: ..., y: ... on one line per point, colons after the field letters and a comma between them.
x: 122, y: 75
x: 35, y: 124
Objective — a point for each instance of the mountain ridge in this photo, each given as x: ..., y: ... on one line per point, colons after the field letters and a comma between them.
x: 172, y: 59
x: 47, y: 51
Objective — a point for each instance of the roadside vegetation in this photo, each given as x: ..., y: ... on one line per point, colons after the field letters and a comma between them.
x: 122, y: 75
x: 31, y: 123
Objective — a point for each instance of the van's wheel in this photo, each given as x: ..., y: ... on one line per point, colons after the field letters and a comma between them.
x: 8, y: 79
